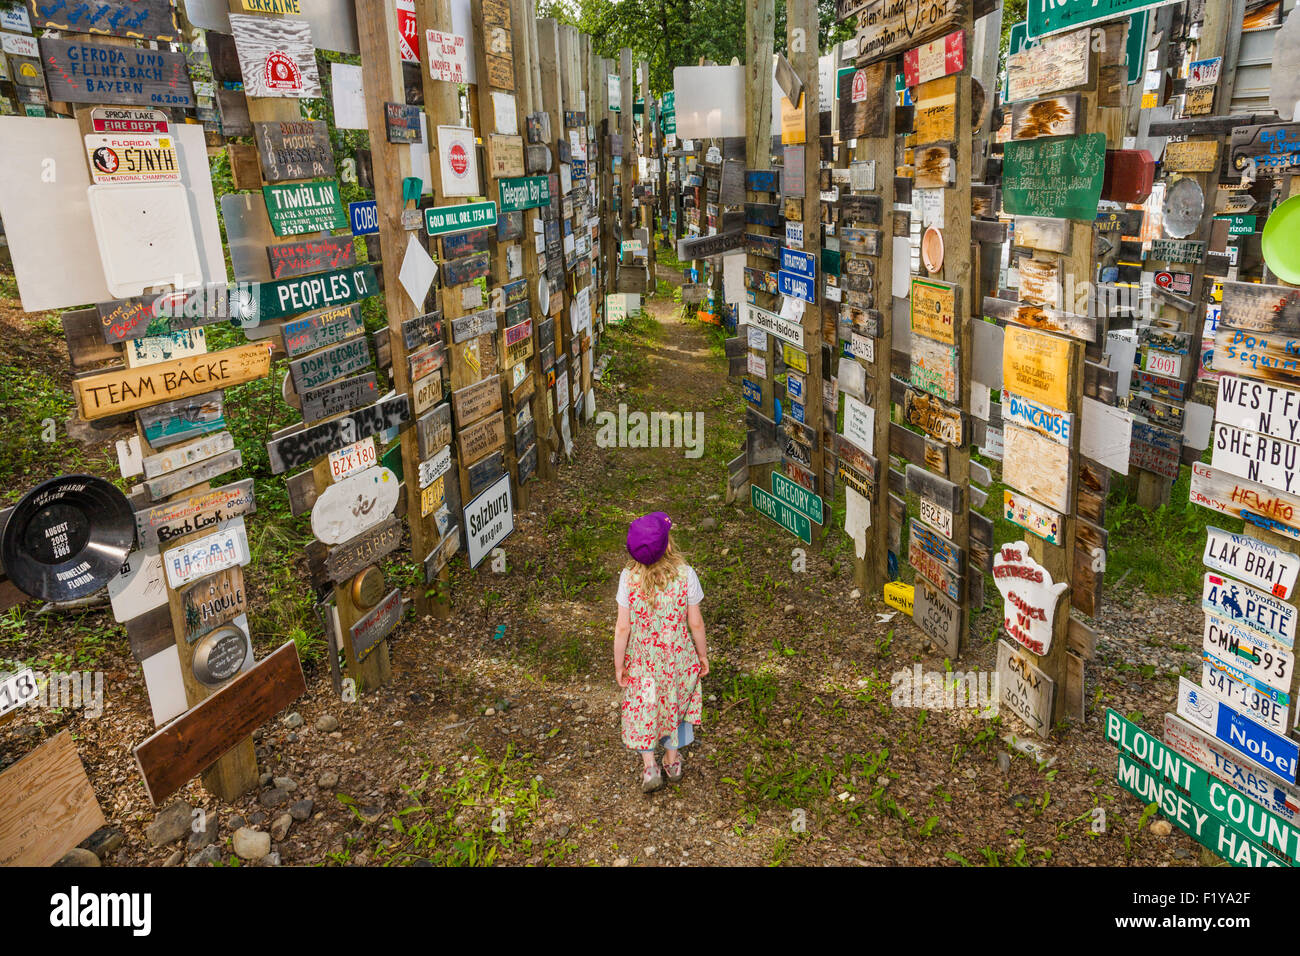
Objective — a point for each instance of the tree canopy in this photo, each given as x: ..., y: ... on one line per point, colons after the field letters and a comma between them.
x: 671, y: 33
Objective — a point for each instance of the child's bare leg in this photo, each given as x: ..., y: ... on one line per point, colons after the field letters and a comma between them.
x: 649, y: 757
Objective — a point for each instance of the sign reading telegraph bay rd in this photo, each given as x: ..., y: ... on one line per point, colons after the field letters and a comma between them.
x: 489, y: 520
x: 524, y: 192
x: 797, y: 497
x: 442, y: 220
x: 1275, y: 752
x: 787, y: 517
x: 783, y: 329
x: 1253, y: 836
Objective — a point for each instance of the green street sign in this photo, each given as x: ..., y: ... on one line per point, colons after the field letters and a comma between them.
x: 1249, y: 822
x: 1239, y: 225
x: 771, y: 507
x: 296, y: 208
x: 1057, y: 177
x: 441, y: 220
x: 670, y: 101
x: 797, y: 497
x: 321, y: 290
x: 525, y: 192
x: 1135, y: 48
x: 1053, y: 16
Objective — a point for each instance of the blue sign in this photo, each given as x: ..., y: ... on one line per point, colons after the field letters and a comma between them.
x: 1279, y: 754
x: 800, y: 263
x: 364, y: 216
x: 753, y: 393
x: 794, y: 386
x: 796, y: 411
x: 796, y: 286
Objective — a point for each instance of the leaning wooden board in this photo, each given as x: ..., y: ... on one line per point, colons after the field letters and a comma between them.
x: 198, y: 738
x: 47, y: 805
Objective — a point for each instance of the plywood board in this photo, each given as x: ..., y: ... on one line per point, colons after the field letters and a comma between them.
x: 112, y: 393
x: 47, y: 805
x: 276, y: 56
x: 1037, y: 466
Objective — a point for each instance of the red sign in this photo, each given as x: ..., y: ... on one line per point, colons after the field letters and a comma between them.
x: 1179, y: 282
x: 282, y: 72
x: 937, y: 58
x: 859, y: 91
x: 105, y: 119
x: 458, y: 159
x: 408, y: 39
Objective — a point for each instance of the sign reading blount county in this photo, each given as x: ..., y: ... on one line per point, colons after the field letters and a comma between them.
x: 443, y: 220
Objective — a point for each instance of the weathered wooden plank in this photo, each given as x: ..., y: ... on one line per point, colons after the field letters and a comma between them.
x: 305, y: 445
x: 197, y: 739
x: 80, y: 72
x: 1049, y: 116
x: 47, y: 805
x: 112, y: 393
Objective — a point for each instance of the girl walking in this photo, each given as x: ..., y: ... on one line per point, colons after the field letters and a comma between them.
x: 659, y: 649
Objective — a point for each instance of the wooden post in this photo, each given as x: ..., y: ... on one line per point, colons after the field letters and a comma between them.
x: 760, y: 33
x: 627, y: 169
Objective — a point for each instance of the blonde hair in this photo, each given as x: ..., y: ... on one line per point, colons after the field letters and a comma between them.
x: 653, y: 578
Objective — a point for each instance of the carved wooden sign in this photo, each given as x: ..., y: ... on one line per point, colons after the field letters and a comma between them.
x: 937, y: 616
x: 474, y: 401
x: 1029, y: 595
x: 115, y: 392
x: 891, y: 26
x: 213, y: 601
x: 1251, y: 501
x: 1049, y: 116
x: 1025, y: 689
x: 335, y: 398
x: 350, y: 557
x: 79, y: 72
x: 1057, y: 63
x: 294, y: 150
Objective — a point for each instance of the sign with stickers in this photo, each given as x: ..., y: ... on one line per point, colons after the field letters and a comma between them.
x: 119, y: 158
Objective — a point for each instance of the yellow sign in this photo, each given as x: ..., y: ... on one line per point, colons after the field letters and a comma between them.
x: 1037, y: 366
x: 899, y: 595
x: 794, y: 358
x: 792, y: 122
x: 432, y: 497
x: 934, y: 310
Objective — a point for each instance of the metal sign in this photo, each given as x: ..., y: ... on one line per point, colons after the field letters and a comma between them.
x: 1253, y: 561
x: 442, y: 220
x: 224, y: 548
x: 1271, y: 750
x: 132, y: 158
x: 295, y: 208
x: 354, y: 505
x: 488, y: 520
x: 776, y: 510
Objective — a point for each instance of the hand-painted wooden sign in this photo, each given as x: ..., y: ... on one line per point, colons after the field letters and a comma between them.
x: 321, y: 329
x: 934, y: 309
x: 175, y: 519
x: 1176, y: 250
x: 941, y: 422
x: 115, y: 392
x: 354, y: 505
x: 505, y: 155
x: 1037, y: 466
x: 1260, y: 565
x: 183, y: 455
x: 864, y: 101
x: 480, y: 439
x: 1273, y: 149
x: 422, y: 330
x: 294, y: 150
x: 1029, y: 595
x: 350, y: 557
x: 1051, y: 422
x: 1255, y: 503
x: 275, y: 300
x: 1033, y: 517
x: 460, y: 271
x: 187, y: 477
x: 196, y: 740
x: 929, y: 61
x: 467, y: 327
x: 427, y: 360
x: 304, y: 446
x: 317, y: 368
x: 223, y: 548
x: 934, y: 369
x: 402, y: 122
x: 47, y: 805
x: 336, y: 398
x: 1261, y: 308
x: 79, y: 72
x: 1025, y: 689
x: 1049, y: 116
x: 499, y: 44
x: 474, y: 401
x: 134, y: 19
x: 1057, y: 177
x: 1249, y: 657
x: 433, y: 431
x: 305, y: 256
x: 1058, y: 63
x: 885, y: 28
x: 937, y: 616
x: 1192, y: 156
x: 926, y: 553
x: 774, y: 324
x: 1037, y: 366
x: 276, y: 56
x: 213, y: 601
x: 295, y: 208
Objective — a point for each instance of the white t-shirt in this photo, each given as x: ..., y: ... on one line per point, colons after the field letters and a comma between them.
x: 694, y: 593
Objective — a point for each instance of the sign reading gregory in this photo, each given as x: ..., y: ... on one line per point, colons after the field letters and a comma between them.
x: 525, y: 192
x: 296, y: 208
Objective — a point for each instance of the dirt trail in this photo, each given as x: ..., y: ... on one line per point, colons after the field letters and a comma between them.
x: 498, y: 738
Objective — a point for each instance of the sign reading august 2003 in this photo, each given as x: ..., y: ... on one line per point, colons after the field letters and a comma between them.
x: 125, y: 390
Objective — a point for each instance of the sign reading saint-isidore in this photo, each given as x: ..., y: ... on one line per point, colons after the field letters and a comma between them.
x: 489, y: 519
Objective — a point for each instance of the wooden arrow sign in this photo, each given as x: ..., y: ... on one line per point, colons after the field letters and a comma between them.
x: 112, y: 393
x: 306, y: 445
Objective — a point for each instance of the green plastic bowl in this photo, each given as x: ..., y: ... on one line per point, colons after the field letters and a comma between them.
x: 1280, y: 241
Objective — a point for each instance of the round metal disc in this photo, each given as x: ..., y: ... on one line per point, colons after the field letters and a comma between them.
x: 220, y: 655
x: 1184, y: 203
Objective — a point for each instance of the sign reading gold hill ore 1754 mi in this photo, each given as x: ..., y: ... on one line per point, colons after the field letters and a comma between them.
x: 126, y: 390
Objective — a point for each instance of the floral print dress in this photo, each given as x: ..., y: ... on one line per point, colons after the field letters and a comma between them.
x: 662, y: 667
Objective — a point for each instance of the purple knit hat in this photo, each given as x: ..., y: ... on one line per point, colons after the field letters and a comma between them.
x: 647, y: 537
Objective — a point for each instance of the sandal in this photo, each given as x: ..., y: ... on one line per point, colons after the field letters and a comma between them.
x: 651, y: 779
x: 673, y: 771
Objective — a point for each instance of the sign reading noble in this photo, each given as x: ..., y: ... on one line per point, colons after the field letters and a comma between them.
x: 1030, y: 596
x: 125, y: 390
x: 489, y: 519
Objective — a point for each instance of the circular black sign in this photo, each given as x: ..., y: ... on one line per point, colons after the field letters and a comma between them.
x: 67, y: 538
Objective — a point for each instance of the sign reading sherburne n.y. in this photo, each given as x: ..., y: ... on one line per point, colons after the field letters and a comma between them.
x: 489, y: 519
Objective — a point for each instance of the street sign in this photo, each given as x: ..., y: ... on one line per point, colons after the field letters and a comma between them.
x: 776, y: 510
x: 797, y: 497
